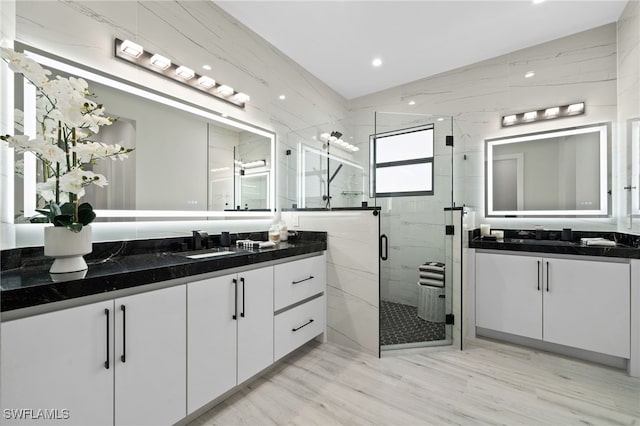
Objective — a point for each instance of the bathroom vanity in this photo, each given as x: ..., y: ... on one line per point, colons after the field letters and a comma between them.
x: 560, y: 296
x: 155, y: 336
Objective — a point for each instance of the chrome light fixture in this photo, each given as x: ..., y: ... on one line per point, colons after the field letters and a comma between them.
x: 134, y: 53
x: 543, y: 114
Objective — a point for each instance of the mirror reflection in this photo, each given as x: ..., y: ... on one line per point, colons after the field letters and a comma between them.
x: 635, y: 166
x: 562, y: 172
x: 186, y: 158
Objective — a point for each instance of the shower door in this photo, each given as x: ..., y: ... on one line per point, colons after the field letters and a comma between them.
x: 411, y: 182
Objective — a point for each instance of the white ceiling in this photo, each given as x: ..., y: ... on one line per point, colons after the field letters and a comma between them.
x: 337, y: 40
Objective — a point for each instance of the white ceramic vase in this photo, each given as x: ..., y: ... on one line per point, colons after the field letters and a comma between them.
x: 67, y: 248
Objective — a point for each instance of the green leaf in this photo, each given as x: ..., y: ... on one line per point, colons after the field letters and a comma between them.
x: 68, y: 209
x: 75, y: 227
x: 86, y: 215
x: 63, y: 220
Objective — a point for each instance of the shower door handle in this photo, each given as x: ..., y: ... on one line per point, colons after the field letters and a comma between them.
x: 384, y: 246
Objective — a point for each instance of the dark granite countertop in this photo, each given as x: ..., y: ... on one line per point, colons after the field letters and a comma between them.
x: 627, y: 245
x: 127, y: 264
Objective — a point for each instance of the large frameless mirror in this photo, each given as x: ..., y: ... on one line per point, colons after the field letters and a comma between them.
x: 558, y: 173
x: 188, y: 161
x: 634, y: 186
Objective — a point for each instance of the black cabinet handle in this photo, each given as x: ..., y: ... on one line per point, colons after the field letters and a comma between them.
x: 106, y: 363
x: 547, y: 277
x: 302, y: 326
x: 235, y: 305
x: 123, y: 357
x: 242, y: 312
x: 384, y: 238
x: 538, y: 275
x: 301, y: 281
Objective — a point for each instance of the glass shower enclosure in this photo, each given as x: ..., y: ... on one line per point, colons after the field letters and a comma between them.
x: 411, y: 180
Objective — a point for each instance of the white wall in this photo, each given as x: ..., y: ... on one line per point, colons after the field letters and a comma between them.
x: 628, y: 98
x: 580, y: 67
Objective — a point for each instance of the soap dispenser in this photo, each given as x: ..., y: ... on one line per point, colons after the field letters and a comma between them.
x: 274, y: 231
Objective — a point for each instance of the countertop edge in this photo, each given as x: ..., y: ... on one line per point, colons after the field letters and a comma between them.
x: 14, y: 301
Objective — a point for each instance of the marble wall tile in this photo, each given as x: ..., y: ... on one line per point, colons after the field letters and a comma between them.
x: 578, y: 67
x: 352, y: 274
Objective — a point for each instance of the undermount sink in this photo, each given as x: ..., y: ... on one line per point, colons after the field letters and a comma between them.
x: 208, y: 254
x: 541, y: 242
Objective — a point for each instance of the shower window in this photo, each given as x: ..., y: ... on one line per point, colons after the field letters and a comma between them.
x: 402, y: 162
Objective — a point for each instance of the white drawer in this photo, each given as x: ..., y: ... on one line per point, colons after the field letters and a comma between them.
x: 298, y: 280
x: 295, y: 327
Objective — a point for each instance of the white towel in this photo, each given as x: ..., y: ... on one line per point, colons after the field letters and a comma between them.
x: 431, y: 275
x: 432, y: 266
x: 597, y: 242
x: 432, y: 283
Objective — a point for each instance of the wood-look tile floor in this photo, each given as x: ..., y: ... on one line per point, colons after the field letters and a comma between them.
x: 488, y: 383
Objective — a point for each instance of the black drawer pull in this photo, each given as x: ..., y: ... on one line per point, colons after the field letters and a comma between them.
x: 301, y: 281
x: 235, y: 305
x: 123, y: 357
x: 303, y: 325
x: 106, y: 363
x: 242, y: 313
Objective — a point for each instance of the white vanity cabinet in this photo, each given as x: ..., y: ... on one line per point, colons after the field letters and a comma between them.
x: 150, y: 357
x: 73, y: 360
x: 300, y: 303
x: 230, y: 332
x: 583, y: 304
x: 59, y: 361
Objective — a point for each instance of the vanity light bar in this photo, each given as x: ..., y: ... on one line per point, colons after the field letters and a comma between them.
x: 543, y: 114
x: 133, y: 53
x: 336, y: 141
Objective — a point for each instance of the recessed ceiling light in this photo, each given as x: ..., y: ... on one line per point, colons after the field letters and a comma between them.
x: 529, y: 74
x: 538, y: 1
x: 376, y: 62
x: 412, y: 102
x: 207, y: 67
x: 282, y: 97
x: 440, y: 119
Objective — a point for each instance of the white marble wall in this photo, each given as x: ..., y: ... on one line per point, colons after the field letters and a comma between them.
x: 628, y: 102
x: 580, y: 67
x: 352, y: 274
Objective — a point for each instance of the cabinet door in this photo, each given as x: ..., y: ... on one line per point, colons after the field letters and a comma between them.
x: 255, y: 322
x: 150, y: 342
x: 587, y: 305
x: 211, y: 339
x: 509, y: 294
x: 57, y: 362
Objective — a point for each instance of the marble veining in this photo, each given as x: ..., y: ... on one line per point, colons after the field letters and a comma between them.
x: 488, y: 383
x: 126, y: 265
x: 524, y: 240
